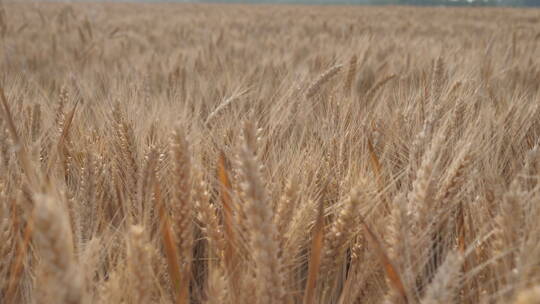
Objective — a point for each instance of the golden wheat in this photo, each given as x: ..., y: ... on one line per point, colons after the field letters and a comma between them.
x: 206, y: 153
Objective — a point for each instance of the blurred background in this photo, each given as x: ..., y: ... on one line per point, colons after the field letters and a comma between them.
x: 529, y: 3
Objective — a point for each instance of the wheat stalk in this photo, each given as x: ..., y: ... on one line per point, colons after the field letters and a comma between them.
x: 315, y: 87
x: 263, y: 233
x: 60, y: 277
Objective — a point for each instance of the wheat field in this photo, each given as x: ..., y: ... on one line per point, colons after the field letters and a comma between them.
x: 182, y: 153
